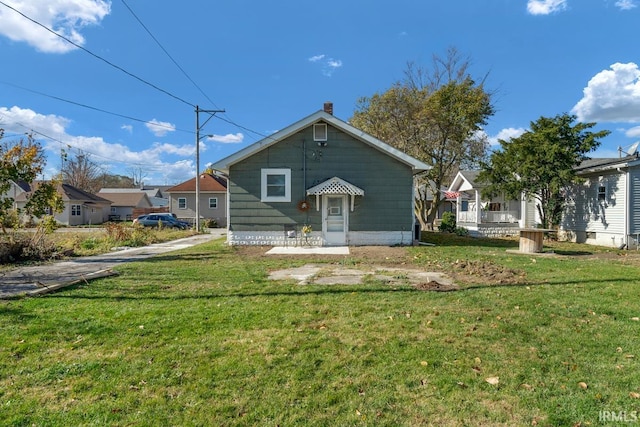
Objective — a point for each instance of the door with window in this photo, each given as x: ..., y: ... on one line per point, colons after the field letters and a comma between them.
x: 335, y: 219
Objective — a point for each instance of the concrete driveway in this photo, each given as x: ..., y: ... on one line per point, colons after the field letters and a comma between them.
x: 38, y: 279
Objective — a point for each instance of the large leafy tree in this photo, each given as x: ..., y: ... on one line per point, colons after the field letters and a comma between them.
x: 23, y: 161
x: 435, y: 116
x: 541, y: 163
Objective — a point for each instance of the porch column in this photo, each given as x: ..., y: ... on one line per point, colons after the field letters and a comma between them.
x: 478, y: 208
x: 522, y: 222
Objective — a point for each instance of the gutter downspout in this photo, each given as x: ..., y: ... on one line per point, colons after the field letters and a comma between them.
x: 627, y: 207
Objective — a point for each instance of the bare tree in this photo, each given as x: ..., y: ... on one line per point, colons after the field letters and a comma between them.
x: 82, y: 172
x: 137, y: 175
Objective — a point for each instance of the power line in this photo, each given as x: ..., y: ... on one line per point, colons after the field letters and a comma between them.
x: 131, y: 74
x: 231, y: 122
x: 167, y: 53
x: 68, y: 144
x: 98, y: 56
x: 57, y: 98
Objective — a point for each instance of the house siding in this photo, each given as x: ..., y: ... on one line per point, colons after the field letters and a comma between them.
x: 189, y: 214
x: 388, y: 208
x: 634, y: 197
x: 590, y: 220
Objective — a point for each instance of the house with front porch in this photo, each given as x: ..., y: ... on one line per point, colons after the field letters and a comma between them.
x: 497, y: 217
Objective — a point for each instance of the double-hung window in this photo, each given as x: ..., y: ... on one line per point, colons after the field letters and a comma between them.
x: 182, y: 203
x: 213, y: 203
x: 276, y: 185
x: 602, y: 191
x: 76, y: 210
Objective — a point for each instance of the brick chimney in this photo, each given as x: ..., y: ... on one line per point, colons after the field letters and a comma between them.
x: 328, y: 107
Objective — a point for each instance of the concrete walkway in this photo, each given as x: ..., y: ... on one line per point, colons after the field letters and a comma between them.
x: 38, y: 279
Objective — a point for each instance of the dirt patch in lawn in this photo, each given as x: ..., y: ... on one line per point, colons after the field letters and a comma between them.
x: 392, y: 265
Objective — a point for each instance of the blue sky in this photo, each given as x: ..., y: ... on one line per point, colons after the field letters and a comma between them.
x: 269, y: 64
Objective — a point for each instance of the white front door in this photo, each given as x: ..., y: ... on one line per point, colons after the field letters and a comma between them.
x: 334, y: 219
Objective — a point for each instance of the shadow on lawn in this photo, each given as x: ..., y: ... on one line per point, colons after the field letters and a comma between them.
x: 450, y: 239
x: 305, y: 290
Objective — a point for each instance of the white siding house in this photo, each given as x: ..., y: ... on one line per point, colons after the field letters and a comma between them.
x: 605, y: 208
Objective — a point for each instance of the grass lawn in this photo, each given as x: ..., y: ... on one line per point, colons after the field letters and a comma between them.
x: 202, y: 337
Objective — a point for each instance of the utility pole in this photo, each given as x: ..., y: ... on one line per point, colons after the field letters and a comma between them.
x: 198, y: 127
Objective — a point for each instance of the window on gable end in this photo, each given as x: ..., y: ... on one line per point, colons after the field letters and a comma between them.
x: 320, y: 132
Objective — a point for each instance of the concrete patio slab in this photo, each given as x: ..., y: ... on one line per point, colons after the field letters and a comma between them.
x: 308, y: 250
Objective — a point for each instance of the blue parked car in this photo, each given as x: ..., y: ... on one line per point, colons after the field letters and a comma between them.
x: 164, y: 220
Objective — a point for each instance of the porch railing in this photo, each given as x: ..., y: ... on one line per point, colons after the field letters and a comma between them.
x: 500, y: 216
x: 490, y: 217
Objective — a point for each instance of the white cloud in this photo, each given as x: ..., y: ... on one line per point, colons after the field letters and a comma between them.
x: 633, y: 132
x: 51, y: 131
x: 329, y: 65
x: 545, y: 7
x: 626, y: 4
x: 66, y: 17
x: 128, y: 128
x: 611, y: 95
x: 180, y: 150
x: 506, y: 134
x: 229, y: 138
x: 159, y: 128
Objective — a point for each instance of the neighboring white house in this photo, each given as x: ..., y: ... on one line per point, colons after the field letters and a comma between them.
x: 605, y: 209
x: 80, y: 207
x: 489, y: 218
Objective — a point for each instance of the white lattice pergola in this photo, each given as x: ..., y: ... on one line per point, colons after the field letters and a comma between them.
x: 335, y: 185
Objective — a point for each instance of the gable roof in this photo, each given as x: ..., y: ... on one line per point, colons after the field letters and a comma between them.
x: 335, y: 185
x: 129, y: 199
x: 602, y: 164
x: 464, y: 180
x: 150, y: 191
x: 320, y: 116
x: 208, y: 182
x: 69, y: 193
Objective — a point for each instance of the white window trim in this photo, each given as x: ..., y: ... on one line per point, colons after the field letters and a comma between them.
x: 323, y: 135
x: 287, y: 185
x: 602, y: 183
x: 76, y: 210
x: 185, y: 202
x: 216, y: 203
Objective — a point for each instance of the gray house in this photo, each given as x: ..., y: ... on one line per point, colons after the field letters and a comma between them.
x: 605, y: 208
x: 213, y: 199
x: 348, y: 187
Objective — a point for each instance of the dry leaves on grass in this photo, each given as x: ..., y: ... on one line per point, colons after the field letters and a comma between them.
x: 493, y: 380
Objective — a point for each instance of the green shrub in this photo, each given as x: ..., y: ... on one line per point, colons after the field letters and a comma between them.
x: 11, y: 219
x: 461, y: 231
x: 448, y: 223
x: 48, y: 224
x: 209, y: 223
